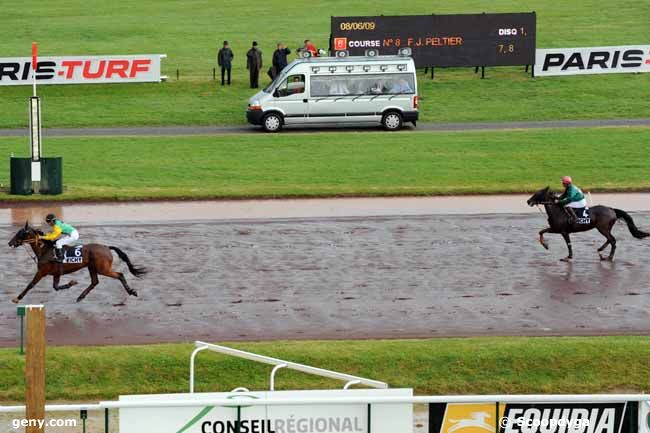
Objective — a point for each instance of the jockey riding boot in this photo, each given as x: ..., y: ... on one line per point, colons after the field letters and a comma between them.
x: 571, y: 214
x: 58, y: 254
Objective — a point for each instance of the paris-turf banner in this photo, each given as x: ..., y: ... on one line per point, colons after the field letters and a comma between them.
x: 594, y: 60
x: 140, y: 68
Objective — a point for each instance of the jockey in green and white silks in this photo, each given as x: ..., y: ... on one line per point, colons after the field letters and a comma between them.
x: 572, y: 198
x: 62, y: 234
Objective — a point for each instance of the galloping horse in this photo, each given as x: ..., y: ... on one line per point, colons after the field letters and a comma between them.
x: 602, y: 218
x: 97, y: 258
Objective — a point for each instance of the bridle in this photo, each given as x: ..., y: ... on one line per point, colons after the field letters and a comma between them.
x: 544, y: 203
x: 30, y: 241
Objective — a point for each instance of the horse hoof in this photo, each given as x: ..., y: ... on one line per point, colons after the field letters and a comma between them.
x: 80, y: 298
x: 134, y: 293
x: 545, y: 246
x: 15, y: 300
x: 566, y: 259
x: 602, y: 258
x: 72, y: 283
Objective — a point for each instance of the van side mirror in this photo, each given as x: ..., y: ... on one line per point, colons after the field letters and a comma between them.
x: 276, y: 94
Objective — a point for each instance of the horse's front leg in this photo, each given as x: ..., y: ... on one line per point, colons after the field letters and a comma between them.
x: 541, y: 237
x: 39, y: 275
x: 567, y: 239
x: 55, y: 283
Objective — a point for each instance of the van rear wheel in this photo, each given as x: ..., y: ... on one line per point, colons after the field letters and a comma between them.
x: 272, y: 122
x: 392, y: 121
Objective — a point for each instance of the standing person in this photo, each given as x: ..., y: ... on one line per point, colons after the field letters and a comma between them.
x: 224, y: 59
x: 311, y: 48
x: 280, y: 59
x: 254, y: 64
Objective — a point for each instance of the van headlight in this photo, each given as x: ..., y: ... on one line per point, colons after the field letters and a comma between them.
x: 255, y: 106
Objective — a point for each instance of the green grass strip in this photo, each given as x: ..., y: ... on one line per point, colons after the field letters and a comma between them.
x: 434, y: 366
x: 342, y: 164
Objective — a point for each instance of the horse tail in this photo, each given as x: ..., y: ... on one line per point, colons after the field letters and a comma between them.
x: 137, y: 271
x: 630, y: 224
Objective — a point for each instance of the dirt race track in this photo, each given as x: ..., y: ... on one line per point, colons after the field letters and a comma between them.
x: 367, y: 277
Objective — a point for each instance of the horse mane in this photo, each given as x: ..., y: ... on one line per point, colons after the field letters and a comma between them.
x: 550, y: 193
x: 35, y: 230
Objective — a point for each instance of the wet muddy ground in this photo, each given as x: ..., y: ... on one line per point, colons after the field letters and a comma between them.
x: 364, y: 277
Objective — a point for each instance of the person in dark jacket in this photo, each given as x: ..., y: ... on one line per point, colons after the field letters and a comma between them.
x: 224, y: 59
x: 254, y: 64
x: 280, y: 59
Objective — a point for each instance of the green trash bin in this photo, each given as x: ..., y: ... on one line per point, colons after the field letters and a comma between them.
x: 51, y: 175
x: 21, y: 176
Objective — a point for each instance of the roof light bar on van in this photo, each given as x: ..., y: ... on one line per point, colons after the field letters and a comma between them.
x: 366, y: 68
x: 343, y: 53
x: 371, y: 53
x: 315, y: 69
x: 401, y: 67
x: 383, y: 68
x: 305, y: 54
x: 332, y: 69
x: 349, y: 68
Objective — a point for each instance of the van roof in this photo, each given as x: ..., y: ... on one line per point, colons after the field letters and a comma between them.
x: 355, y: 59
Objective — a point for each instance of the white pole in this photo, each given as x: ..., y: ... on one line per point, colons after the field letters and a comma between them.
x: 275, y: 369
x: 192, y: 362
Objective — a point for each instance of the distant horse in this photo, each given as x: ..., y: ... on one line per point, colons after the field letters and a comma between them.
x: 97, y: 258
x: 602, y: 218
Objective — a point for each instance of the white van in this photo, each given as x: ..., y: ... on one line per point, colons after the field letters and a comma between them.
x: 381, y: 89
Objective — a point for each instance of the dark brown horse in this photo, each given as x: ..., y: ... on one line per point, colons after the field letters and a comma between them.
x: 602, y: 218
x: 97, y: 258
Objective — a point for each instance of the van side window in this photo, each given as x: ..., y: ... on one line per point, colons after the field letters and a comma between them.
x: 294, y: 84
x: 359, y: 85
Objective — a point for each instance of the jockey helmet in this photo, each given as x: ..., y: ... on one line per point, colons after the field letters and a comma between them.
x: 50, y: 218
x: 566, y: 180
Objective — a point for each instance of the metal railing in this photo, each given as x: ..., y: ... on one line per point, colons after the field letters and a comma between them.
x: 278, y: 364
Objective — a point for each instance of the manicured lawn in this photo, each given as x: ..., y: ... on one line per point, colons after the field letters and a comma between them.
x: 438, y: 366
x: 350, y: 164
x: 190, y: 32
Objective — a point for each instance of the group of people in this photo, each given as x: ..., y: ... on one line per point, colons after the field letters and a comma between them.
x: 254, y: 62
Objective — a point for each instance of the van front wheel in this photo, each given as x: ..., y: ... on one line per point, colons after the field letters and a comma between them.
x: 392, y: 121
x: 272, y: 122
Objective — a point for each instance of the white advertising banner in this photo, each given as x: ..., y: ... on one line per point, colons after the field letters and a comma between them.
x: 644, y: 417
x: 289, y: 418
x: 142, y: 68
x: 594, y: 60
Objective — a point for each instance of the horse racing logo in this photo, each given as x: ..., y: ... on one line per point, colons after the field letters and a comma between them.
x: 469, y: 418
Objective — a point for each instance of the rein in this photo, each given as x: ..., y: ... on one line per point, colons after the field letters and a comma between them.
x: 31, y: 256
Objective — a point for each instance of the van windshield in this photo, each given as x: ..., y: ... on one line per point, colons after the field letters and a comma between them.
x: 276, y: 80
